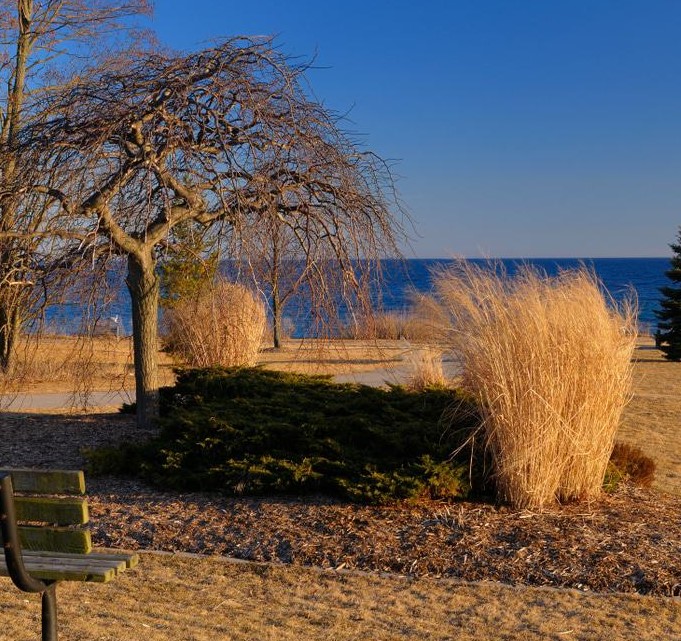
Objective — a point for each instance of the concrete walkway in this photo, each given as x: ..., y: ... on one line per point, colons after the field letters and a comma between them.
x: 25, y: 401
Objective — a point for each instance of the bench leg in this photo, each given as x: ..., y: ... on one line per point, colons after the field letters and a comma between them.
x: 49, y: 601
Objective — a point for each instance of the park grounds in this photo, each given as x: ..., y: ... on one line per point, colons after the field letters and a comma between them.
x: 287, y: 568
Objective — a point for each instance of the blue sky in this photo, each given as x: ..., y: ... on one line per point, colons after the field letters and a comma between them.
x: 527, y: 128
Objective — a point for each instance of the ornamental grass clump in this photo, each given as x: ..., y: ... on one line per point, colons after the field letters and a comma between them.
x: 222, y: 324
x: 426, y: 368
x: 549, y: 360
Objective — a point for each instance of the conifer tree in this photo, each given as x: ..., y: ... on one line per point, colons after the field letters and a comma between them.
x: 190, y: 265
x: 668, y: 336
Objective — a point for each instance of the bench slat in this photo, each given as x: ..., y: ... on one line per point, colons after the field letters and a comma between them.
x: 47, y: 481
x: 65, y: 572
x: 81, y: 562
x: 131, y: 559
x: 60, y: 511
x: 55, y: 539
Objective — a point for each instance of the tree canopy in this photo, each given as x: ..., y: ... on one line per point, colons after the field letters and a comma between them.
x: 229, y: 136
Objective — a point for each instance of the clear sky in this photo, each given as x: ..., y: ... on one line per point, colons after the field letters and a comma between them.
x: 522, y: 128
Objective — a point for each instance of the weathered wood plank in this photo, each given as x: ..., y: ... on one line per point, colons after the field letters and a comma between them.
x: 47, y: 481
x: 55, y: 539
x: 66, y: 572
x: 74, y: 561
x: 59, y: 511
x: 130, y: 559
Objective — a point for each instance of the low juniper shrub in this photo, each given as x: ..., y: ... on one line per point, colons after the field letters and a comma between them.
x: 253, y: 431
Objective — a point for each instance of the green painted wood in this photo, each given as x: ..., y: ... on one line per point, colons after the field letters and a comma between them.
x: 47, y: 481
x: 58, y: 553
x: 65, y: 572
x: 59, y: 511
x: 55, y: 539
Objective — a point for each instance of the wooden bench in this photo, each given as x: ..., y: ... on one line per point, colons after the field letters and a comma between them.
x: 43, y: 514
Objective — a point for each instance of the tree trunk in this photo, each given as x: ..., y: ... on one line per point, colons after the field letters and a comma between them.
x: 12, y: 306
x: 10, y: 325
x: 276, y: 299
x: 144, y: 288
x: 276, y: 321
x: 276, y: 302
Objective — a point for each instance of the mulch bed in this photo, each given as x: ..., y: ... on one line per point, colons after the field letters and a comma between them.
x: 629, y: 541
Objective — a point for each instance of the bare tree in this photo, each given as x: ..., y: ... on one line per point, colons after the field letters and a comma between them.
x: 213, y: 137
x: 276, y: 265
x: 41, y: 42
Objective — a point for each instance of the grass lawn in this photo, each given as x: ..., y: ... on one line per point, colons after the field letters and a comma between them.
x: 201, y: 599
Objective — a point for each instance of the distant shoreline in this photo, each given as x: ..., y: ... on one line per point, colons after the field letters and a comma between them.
x: 401, y: 277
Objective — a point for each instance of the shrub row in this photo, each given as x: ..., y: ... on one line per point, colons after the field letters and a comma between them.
x: 253, y: 431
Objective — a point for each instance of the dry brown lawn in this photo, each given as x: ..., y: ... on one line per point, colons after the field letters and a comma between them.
x: 53, y: 363
x: 188, y: 599
x: 652, y: 420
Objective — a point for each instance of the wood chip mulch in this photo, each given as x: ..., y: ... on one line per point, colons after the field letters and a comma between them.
x: 626, y: 542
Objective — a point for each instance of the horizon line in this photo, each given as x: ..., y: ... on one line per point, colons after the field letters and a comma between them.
x: 537, y: 257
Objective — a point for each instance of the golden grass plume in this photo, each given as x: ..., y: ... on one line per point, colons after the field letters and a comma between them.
x: 549, y: 360
x: 222, y: 325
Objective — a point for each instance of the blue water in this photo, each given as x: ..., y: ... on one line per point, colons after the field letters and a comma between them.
x: 620, y: 276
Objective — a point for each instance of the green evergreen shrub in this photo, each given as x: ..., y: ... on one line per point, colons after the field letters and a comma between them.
x: 668, y: 335
x: 253, y: 431
x: 190, y: 266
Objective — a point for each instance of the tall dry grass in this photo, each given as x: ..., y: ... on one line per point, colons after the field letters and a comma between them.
x: 426, y: 368
x: 222, y: 325
x: 549, y: 359
x: 414, y: 324
x: 74, y: 364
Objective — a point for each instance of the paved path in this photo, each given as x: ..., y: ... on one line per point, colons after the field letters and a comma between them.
x: 22, y: 402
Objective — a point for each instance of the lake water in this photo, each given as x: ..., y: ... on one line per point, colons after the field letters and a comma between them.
x: 620, y: 276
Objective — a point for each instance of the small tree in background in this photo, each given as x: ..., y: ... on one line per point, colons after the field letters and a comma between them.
x: 190, y: 264
x: 278, y: 267
x: 668, y: 336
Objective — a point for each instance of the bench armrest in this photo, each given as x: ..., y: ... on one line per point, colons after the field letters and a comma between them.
x: 10, y: 538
